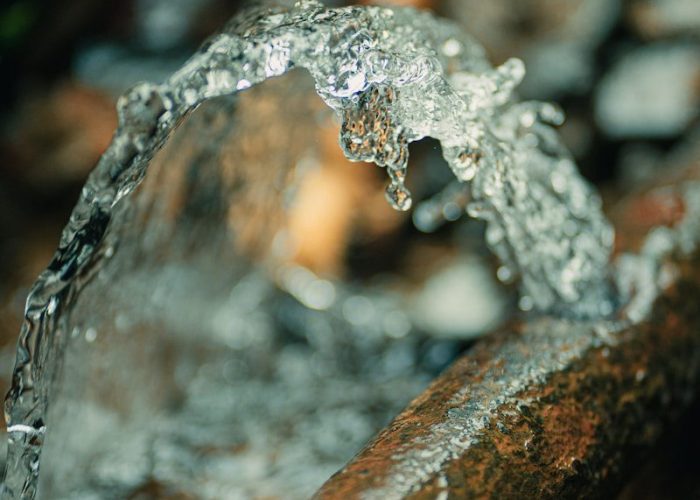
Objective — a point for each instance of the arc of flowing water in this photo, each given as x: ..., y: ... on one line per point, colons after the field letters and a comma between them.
x: 394, y: 76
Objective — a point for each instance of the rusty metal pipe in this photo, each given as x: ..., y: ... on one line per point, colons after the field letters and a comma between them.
x: 547, y: 408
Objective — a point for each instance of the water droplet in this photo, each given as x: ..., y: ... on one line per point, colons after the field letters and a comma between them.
x: 504, y: 274
x: 398, y: 196
x: 243, y: 84
x: 451, y: 47
x: 451, y: 211
x: 477, y: 210
x: 90, y: 334
x: 396, y: 324
x: 526, y: 303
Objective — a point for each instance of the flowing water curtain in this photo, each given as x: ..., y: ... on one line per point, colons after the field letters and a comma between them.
x: 393, y: 76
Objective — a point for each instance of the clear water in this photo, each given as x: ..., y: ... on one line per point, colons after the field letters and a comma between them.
x: 165, y: 288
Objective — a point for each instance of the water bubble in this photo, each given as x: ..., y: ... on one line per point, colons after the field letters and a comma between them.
x: 308, y: 4
x: 220, y: 82
x: 477, y: 210
x: 278, y: 59
x: 451, y: 47
x: 243, y: 84
x: 464, y: 162
x: 504, y: 274
x: 526, y: 303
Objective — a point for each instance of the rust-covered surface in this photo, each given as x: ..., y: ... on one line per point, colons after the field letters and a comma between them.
x: 549, y: 408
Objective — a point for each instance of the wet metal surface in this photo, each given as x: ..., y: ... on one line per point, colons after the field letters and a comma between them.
x: 546, y: 408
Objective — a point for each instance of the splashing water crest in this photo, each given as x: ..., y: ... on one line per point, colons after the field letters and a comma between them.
x: 393, y: 76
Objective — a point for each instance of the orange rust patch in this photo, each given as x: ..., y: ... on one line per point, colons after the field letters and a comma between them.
x: 571, y: 430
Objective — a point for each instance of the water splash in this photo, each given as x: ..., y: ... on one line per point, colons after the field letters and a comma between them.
x: 393, y: 76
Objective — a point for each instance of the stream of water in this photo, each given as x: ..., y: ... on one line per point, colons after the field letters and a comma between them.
x: 392, y: 77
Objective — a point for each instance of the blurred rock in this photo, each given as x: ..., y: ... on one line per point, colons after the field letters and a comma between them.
x: 461, y: 300
x: 639, y: 163
x: 652, y: 92
x: 164, y: 24
x: 664, y: 18
x: 55, y: 139
x: 113, y: 68
x: 555, y: 39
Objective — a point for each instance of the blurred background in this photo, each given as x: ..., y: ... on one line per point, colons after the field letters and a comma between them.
x: 626, y: 72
